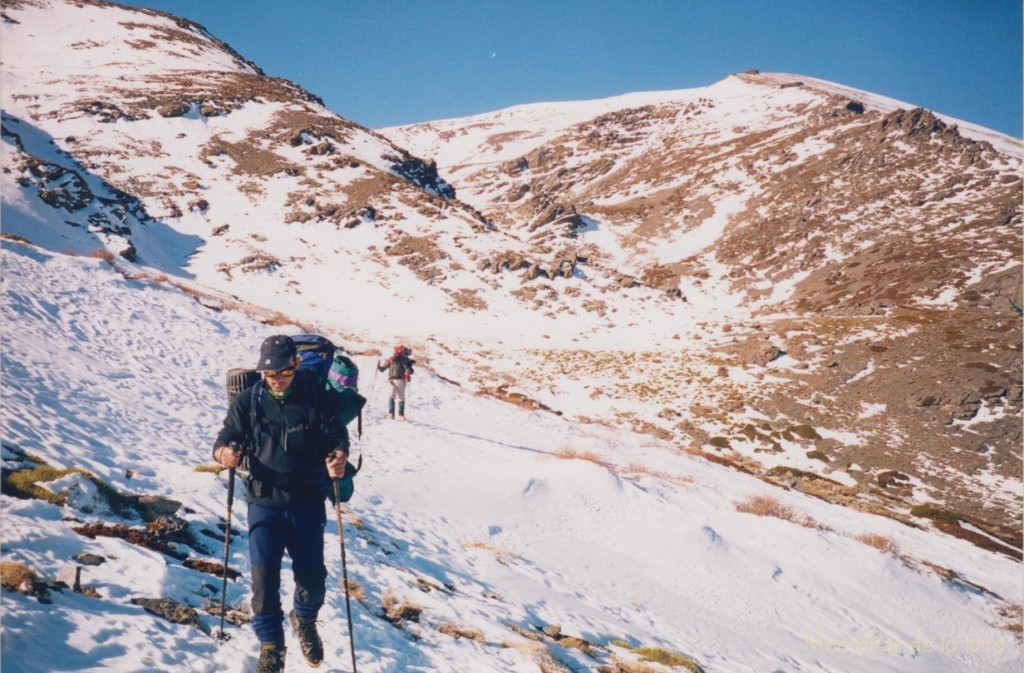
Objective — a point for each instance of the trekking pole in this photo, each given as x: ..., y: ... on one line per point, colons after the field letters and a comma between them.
x: 238, y: 379
x: 222, y: 635
x: 344, y: 573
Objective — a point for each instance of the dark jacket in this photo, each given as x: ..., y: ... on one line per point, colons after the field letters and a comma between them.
x: 398, y: 366
x: 288, y: 443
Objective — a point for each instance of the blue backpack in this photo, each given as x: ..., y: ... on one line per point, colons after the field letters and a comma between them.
x: 338, y: 374
x: 330, y: 364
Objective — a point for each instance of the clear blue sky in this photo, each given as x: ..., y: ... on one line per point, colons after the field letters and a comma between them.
x: 387, y: 62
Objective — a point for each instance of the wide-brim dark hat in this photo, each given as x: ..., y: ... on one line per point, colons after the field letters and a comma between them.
x: 276, y: 353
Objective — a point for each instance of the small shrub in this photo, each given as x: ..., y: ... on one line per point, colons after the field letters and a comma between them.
x: 720, y: 442
x: 818, y: 455
x: 882, y: 543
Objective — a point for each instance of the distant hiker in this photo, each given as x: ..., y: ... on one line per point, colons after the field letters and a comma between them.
x: 399, y: 368
x: 293, y: 442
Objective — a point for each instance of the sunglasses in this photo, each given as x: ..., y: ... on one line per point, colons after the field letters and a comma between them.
x: 283, y: 373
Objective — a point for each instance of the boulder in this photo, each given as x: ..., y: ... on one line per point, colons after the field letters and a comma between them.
x: 72, y: 577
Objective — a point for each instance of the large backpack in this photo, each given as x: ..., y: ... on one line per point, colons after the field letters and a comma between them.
x: 338, y: 374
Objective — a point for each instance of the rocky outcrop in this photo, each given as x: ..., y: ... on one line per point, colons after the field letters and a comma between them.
x: 423, y: 174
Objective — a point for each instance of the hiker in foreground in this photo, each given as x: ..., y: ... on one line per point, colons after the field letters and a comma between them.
x: 399, y: 368
x: 294, y: 442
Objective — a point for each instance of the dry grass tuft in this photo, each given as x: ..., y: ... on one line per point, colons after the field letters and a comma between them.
x: 1013, y: 616
x: 545, y: 659
x: 209, y: 468
x: 636, y: 470
x: 17, y: 577
x: 455, y: 631
x: 882, y: 543
x: 766, y: 505
x: 25, y: 484
x: 525, y: 633
x: 567, y: 453
x: 668, y: 658
x: 102, y: 253
x: 504, y: 556
x: 354, y: 590
x: 398, y: 611
x: 628, y: 667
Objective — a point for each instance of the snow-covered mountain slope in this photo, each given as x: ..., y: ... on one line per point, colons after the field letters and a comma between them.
x: 483, y: 520
x: 810, y: 285
x: 864, y: 239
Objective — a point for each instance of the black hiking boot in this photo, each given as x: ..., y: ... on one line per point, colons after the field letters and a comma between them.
x: 271, y: 658
x: 309, y: 639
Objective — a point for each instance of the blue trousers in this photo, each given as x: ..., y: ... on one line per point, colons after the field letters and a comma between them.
x: 299, y: 529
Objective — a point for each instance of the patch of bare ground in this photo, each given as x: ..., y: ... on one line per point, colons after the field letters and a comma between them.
x: 468, y: 299
x: 294, y: 125
x: 159, y: 535
x: 419, y: 253
x: 249, y: 158
x: 502, y: 393
x: 498, y: 140
x: 356, y: 200
x: 921, y: 409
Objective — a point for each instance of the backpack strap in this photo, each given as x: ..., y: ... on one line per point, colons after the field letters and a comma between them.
x: 255, y: 406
